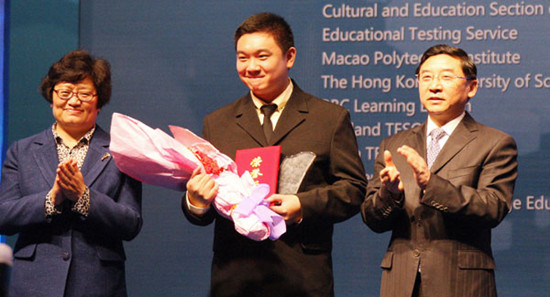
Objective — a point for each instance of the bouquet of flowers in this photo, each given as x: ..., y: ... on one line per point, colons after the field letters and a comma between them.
x: 154, y: 157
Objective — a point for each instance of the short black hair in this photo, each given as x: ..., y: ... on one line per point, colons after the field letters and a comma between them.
x: 268, y: 23
x: 74, y: 67
x: 468, y: 66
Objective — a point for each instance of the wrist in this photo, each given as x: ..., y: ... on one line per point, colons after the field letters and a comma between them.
x: 56, y: 199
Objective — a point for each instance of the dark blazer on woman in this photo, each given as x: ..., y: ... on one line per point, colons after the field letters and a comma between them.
x: 67, y: 254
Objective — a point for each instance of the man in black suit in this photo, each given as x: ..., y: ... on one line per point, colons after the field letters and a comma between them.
x: 441, y: 187
x: 331, y: 192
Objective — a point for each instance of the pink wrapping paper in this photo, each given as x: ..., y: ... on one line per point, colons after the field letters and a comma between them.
x: 154, y: 157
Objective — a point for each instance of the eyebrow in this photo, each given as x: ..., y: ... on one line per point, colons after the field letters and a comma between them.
x: 442, y: 70
x: 257, y: 51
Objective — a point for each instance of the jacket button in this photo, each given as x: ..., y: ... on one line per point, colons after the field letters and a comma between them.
x: 66, y: 256
x: 416, y: 253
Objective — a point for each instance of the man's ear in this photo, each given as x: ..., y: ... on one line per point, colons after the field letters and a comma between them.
x: 473, y: 89
x: 290, y: 57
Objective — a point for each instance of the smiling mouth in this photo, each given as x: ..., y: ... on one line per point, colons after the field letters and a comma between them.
x: 73, y: 110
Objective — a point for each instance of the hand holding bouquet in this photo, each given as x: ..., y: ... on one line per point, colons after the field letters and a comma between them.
x: 154, y: 157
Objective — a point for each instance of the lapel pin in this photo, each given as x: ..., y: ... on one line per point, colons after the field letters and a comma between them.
x: 107, y: 155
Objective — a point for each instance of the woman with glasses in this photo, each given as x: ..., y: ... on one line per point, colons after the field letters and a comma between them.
x: 64, y: 196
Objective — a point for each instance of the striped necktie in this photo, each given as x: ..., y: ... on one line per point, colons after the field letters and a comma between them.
x: 434, y: 147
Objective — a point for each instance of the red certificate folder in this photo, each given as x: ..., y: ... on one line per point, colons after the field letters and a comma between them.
x: 262, y: 163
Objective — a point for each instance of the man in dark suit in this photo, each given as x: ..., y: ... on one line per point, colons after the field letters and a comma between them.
x: 63, y: 194
x: 441, y: 193
x: 331, y: 192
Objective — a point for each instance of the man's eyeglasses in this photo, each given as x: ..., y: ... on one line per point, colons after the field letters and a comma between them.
x: 445, y: 78
x: 66, y: 94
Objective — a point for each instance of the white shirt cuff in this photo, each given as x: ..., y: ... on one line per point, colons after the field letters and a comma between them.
x: 194, y: 209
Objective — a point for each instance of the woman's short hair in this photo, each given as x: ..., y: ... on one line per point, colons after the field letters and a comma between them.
x: 74, y: 67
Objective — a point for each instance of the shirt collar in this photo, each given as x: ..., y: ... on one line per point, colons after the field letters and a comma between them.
x: 449, y: 127
x: 281, y: 100
x: 84, y: 139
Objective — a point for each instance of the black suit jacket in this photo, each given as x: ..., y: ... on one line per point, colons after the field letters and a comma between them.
x: 446, y: 229
x: 331, y: 192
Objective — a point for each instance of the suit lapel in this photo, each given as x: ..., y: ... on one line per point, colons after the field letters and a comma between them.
x: 293, y: 115
x: 97, y: 158
x: 247, y: 118
x: 417, y: 141
x: 462, y: 135
x: 45, y: 149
